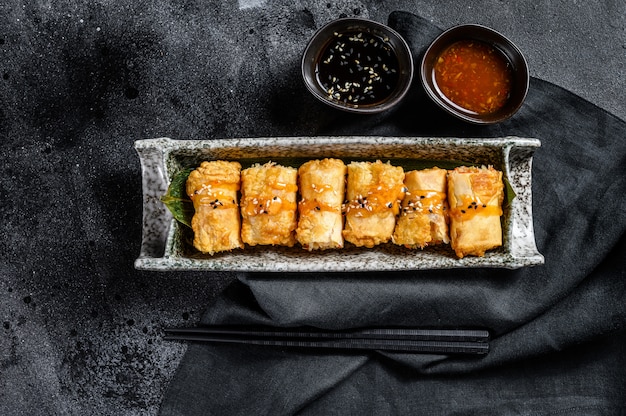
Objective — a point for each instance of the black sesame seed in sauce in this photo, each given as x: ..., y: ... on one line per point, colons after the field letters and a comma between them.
x: 358, y: 68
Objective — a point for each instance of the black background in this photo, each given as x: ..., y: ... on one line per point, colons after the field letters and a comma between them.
x: 82, y: 81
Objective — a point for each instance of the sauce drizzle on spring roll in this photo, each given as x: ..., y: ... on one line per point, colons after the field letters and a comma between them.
x: 373, y: 195
x: 423, y: 219
x: 212, y: 188
x: 268, y: 205
x: 322, y: 187
x: 475, y: 196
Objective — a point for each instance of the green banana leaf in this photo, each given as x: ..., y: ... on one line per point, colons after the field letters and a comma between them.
x: 176, y: 199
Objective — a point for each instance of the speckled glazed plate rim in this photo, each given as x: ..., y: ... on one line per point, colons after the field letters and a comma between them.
x: 163, y: 247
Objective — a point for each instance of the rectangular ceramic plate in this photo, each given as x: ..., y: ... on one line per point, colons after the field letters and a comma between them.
x: 165, y: 242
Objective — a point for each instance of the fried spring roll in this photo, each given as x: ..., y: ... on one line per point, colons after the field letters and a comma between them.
x: 322, y: 187
x: 268, y: 205
x: 475, y: 196
x: 213, y: 188
x: 423, y: 219
x: 373, y: 195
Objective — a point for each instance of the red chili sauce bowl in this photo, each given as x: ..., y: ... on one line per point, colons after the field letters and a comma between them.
x: 476, y: 74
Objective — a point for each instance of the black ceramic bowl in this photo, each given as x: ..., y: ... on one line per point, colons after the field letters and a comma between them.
x: 511, y: 53
x: 357, y: 65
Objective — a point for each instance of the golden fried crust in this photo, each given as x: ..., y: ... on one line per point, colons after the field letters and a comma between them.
x: 322, y: 187
x: 423, y: 219
x: 373, y: 193
x: 268, y: 205
x: 213, y: 188
x: 475, y: 196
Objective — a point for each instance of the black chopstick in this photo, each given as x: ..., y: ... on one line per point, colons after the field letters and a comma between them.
x: 436, y: 341
x: 479, y: 335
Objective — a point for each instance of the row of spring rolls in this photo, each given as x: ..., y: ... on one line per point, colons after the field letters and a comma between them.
x: 364, y: 203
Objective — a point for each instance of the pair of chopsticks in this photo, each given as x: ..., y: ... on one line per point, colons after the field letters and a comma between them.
x: 426, y: 341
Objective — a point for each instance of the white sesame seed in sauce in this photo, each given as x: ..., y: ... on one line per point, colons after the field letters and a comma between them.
x: 345, y: 67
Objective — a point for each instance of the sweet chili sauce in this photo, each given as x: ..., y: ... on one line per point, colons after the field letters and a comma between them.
x: 474, y: 75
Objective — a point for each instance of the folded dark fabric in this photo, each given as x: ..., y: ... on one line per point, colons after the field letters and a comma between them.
x: 558, y: 338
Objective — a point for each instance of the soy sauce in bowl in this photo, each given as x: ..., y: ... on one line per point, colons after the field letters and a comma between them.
x: 357, y: 65
x: 359, y: 68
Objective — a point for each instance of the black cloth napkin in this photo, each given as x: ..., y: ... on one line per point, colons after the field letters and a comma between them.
x: 558, y: 329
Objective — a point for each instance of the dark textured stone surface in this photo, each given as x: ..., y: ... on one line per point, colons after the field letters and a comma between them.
x: 81, y: 81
